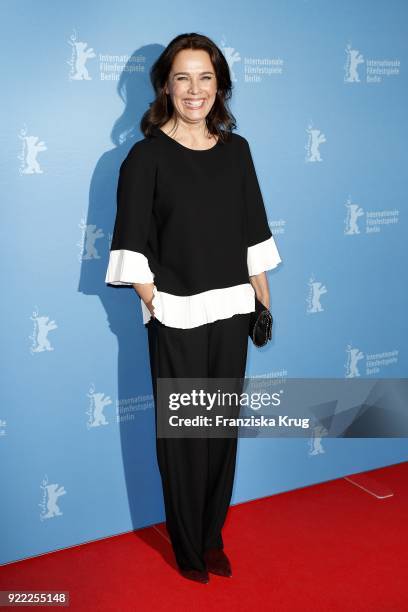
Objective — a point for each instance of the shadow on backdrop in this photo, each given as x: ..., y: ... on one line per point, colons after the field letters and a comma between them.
x: 122, y: 305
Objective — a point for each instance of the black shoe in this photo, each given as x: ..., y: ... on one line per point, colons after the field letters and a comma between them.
x: 217, y: 562
x: 197, y: 575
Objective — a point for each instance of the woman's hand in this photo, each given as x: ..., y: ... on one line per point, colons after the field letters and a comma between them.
x: 145, y: 292
x: 260, y: 284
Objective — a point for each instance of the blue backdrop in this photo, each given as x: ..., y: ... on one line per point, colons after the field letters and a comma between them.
x: 319, y: 91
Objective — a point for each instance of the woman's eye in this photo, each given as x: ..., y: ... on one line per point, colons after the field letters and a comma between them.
x: 183, y: 77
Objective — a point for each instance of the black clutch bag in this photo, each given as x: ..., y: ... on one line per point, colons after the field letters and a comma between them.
x: 260, y: 324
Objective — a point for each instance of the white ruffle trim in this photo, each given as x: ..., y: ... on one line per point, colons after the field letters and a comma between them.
x: 127, y: 267
x: 189, y: 311
x: 263, y: 256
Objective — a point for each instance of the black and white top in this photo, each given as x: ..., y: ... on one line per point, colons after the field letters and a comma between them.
x: 192, y: 222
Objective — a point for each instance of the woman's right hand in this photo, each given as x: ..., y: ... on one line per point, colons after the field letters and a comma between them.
x: 150, y: 307
x: 145, y: 292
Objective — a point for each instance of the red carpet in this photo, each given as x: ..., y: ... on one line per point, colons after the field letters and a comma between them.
x: 331, y: 546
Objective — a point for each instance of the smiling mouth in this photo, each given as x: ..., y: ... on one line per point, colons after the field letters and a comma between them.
x: 198, y: 103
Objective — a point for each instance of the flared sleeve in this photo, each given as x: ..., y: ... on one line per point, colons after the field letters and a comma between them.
x: 128, y: 262
x: 263, y: 253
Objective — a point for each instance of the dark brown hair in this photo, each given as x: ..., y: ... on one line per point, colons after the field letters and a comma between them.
x: 220, y: 121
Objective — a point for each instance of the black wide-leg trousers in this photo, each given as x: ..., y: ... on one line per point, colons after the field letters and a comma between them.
x: 197, y: 473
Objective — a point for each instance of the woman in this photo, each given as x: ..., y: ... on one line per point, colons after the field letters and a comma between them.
x: 191, y: 236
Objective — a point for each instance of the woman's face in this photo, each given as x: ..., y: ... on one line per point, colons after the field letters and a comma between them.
x: 192, y: 85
